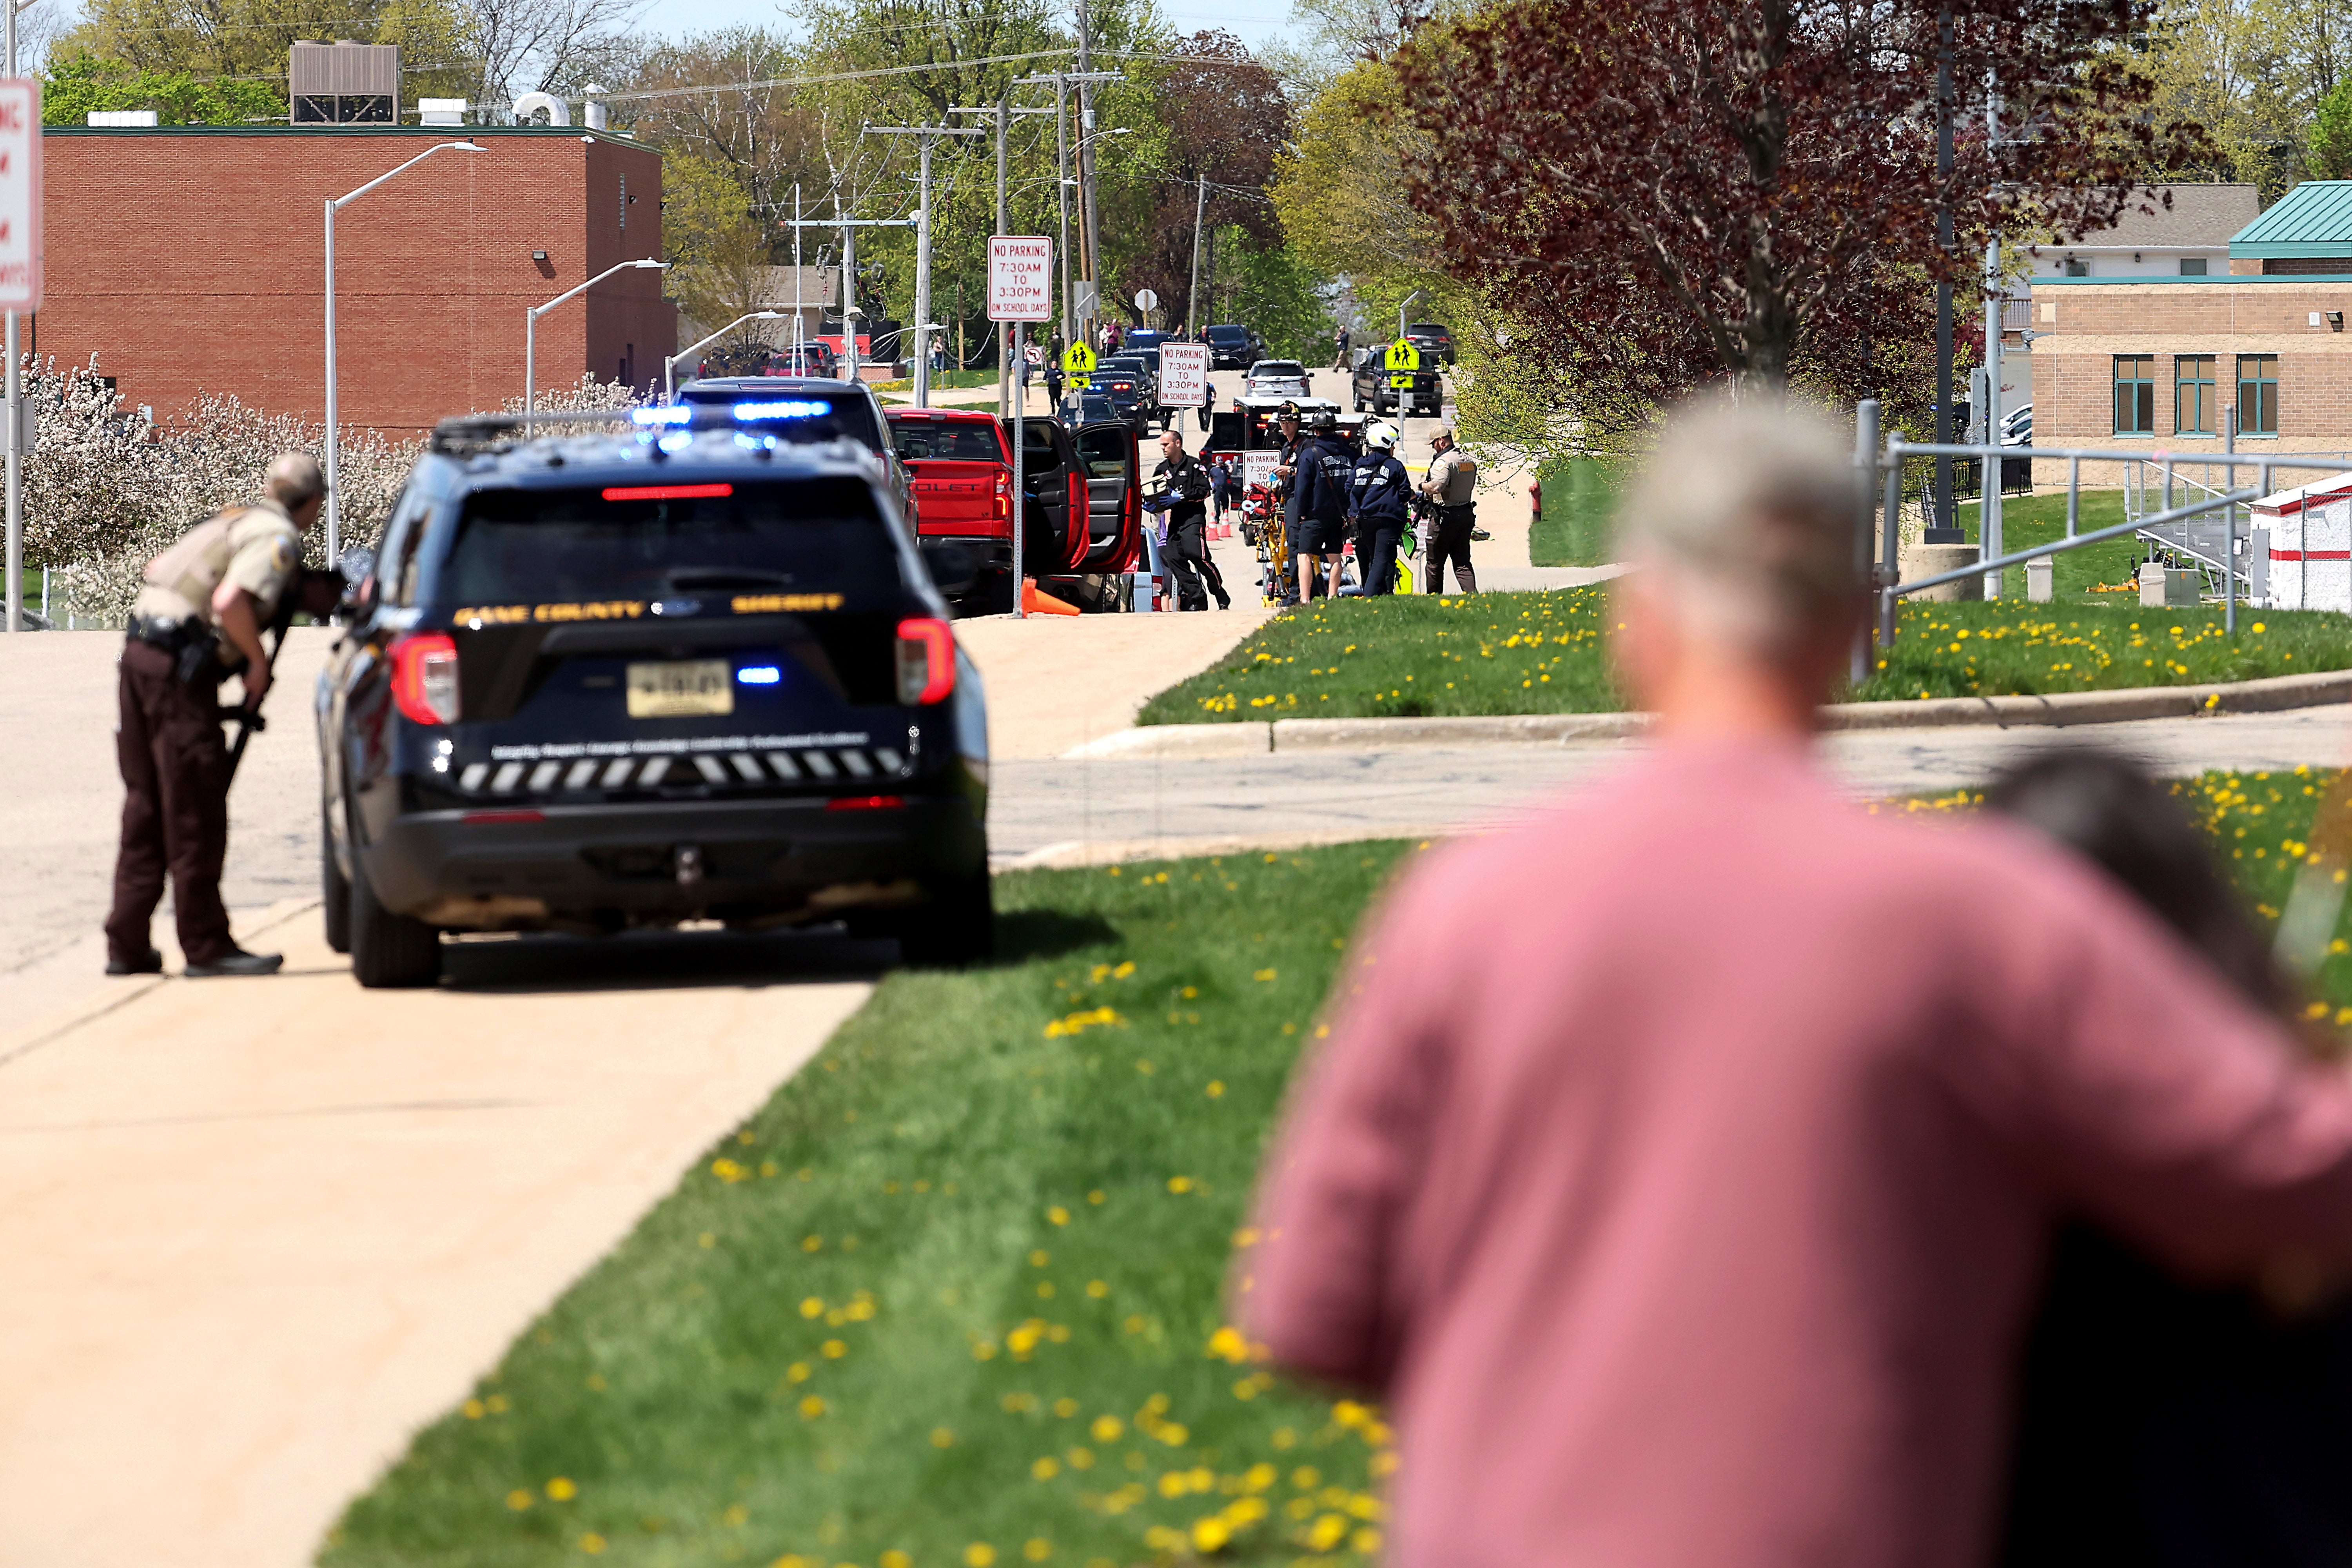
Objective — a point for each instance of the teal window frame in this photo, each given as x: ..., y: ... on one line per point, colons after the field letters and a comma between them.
x: 2135, y: 398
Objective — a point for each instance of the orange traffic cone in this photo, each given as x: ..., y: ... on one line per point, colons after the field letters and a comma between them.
x: 1036, y: 604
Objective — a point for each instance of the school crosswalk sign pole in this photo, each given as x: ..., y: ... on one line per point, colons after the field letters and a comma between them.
x: 1403, y: 363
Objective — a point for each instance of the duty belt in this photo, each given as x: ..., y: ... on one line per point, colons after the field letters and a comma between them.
x: 167, y: 632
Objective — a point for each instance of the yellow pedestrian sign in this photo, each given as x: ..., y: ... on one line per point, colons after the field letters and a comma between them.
x: 1078, y: 362
x: 1403, y: 359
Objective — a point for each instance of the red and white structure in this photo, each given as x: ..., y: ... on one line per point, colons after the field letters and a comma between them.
x: 2310, y: 544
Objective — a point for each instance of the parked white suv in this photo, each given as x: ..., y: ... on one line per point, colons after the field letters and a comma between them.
x: 1275, y: 378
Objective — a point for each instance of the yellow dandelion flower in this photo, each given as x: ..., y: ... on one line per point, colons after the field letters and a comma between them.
x: 561, y: 1490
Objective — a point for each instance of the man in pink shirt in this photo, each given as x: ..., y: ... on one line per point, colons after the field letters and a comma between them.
x: 1680, y: 1164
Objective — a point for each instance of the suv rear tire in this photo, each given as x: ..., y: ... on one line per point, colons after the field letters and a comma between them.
x: 334, y: 893
x: 390, y: 952
x: 956, y: 928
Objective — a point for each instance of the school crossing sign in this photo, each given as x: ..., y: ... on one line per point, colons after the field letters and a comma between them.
x: 1078, y: 364
x: 1403, y: 363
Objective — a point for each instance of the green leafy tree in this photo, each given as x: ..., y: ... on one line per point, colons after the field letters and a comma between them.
x: 78, y: 84
x: 2329, y: 153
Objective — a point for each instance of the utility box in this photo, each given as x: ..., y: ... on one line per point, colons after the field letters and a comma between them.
x: 2308, y: 559
x: 2163, y: 587
x: 2040, y: 582
x: 343, y: 83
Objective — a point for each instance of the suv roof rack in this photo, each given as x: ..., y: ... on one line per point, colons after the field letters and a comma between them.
x: 468, y: 433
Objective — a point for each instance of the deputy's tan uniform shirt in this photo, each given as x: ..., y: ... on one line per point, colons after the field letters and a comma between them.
x: 1453, y: 478
x: 256, y: 548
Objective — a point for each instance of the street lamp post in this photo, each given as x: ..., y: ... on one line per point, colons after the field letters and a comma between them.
x: 334, y: 513
x: 531, y: 333
x: 670, y: 387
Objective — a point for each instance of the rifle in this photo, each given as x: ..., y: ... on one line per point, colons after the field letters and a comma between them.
x: 313, y: 591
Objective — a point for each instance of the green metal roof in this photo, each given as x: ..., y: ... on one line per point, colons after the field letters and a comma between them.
x: 2315, y: 218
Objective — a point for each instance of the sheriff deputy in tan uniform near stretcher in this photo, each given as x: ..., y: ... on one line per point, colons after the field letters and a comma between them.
x: 198, y: 620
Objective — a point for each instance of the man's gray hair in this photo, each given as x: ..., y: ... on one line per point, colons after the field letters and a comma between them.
x: 1749, y: 510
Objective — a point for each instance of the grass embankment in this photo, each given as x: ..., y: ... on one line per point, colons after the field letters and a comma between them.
x: 1546, y: 653
x: 952, y: 1297
x: 2028, y: 521
x: 1579, y: 500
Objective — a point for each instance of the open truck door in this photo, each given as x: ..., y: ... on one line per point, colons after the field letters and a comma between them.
x: 1114, y: 497
x: 1056, y: 538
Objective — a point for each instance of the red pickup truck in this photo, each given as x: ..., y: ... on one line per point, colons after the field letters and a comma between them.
x: 1084, y: 516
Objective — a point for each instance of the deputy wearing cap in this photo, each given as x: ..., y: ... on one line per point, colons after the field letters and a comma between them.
x: 1453, y: 481
x: 197, y: 620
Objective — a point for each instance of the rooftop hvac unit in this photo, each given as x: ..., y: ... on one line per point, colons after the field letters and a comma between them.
x: 123, y: 117
x: 344, y: 83
x: 441, y: 110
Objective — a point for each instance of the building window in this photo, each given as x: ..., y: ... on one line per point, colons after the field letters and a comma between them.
x: 2077, y: 268
x: 2192, y: 266
x: 2134, y: 394
x: 2192, y: 395
x: 2258, y: 395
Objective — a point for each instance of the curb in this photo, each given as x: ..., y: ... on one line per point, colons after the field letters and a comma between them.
x: 2270, y: 695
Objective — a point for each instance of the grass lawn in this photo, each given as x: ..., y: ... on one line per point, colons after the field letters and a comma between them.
x: 2027, y: 521
x: 1545, y: 653
x: 952, y: 1297
x: 945, y: 380
x: 1579, y: 499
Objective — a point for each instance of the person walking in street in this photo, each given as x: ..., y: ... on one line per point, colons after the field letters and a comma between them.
x: 1380, y: 503
x: 1325, y: 475
x: 1179, y: 485
x: 1680, y: 1165
x: 1221, y: 488
x: 1453, y: 481
x: 198, y: 619
x: 1339, y: 345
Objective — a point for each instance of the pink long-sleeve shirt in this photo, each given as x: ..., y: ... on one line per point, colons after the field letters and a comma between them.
x: 1679, y: 1167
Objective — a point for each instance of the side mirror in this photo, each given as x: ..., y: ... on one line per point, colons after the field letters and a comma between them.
x: 357, y: 565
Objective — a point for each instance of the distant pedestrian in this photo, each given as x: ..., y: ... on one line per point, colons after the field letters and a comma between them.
x: 1053, y: 382
x: 1453, y: 481
x: 1379, y: 502
x: 1680, y: 1165
x: 1220, y: 488
x: 1340, y: 343
x: 198, y: 619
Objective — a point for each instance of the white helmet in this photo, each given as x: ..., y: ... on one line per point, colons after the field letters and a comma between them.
x: 1381, y: 435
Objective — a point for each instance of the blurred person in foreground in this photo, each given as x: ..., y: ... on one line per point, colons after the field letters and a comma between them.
x: 1681, y: 1165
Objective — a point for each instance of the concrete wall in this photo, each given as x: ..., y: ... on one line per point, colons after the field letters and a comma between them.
x: 191, y: 259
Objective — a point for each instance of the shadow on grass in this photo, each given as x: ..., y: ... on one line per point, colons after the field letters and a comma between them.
x: 1022, y: 934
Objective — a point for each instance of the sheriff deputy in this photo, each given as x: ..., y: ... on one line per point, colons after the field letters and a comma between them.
x: 198, y: 620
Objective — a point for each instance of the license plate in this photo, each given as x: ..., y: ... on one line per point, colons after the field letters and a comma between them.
x: 685, y: 687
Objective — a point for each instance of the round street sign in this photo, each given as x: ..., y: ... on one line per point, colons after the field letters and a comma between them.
x: 1145, y: 299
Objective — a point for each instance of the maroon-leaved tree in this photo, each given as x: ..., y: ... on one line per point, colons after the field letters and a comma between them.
x: 1667, y: 194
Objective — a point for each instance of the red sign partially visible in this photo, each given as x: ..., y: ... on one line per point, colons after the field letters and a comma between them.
x: 20, y: 193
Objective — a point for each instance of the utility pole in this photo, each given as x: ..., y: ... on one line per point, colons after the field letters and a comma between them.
x: 1002, y: 113
x: 1073, y: 327
x: 924, y: 136
x: 796, y: 278
x: 1989, y: 506
x: 1192, y: 293
x: 849, y: 228
x: 1943, y: 524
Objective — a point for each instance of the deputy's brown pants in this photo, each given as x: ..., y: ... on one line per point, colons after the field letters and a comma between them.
x: 174, y: 809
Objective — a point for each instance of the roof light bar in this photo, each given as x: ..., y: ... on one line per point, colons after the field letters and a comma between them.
x: 783, y: 408
x: 676, y: 414
x: 668, y: 492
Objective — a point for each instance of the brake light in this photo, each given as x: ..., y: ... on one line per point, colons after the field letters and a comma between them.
x: 1004, y: 498
x: 866, y: 802
x: 669, y: 492
x: 425, y: 677
x: 926, y: 661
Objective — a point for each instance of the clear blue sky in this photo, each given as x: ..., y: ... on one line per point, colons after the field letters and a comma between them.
x: 1254, y: 22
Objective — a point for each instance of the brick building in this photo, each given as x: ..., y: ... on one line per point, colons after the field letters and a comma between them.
x: 190, y: 259
x: 2165, y: 361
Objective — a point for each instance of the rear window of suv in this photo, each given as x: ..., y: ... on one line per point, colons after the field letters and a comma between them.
x: 803, y: 413
x: 957, y: 440
x: 647, y: 541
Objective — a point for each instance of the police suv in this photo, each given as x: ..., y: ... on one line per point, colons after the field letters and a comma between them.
x: 684, y: 666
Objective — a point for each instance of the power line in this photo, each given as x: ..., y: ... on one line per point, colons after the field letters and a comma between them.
x: 642, y: 93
